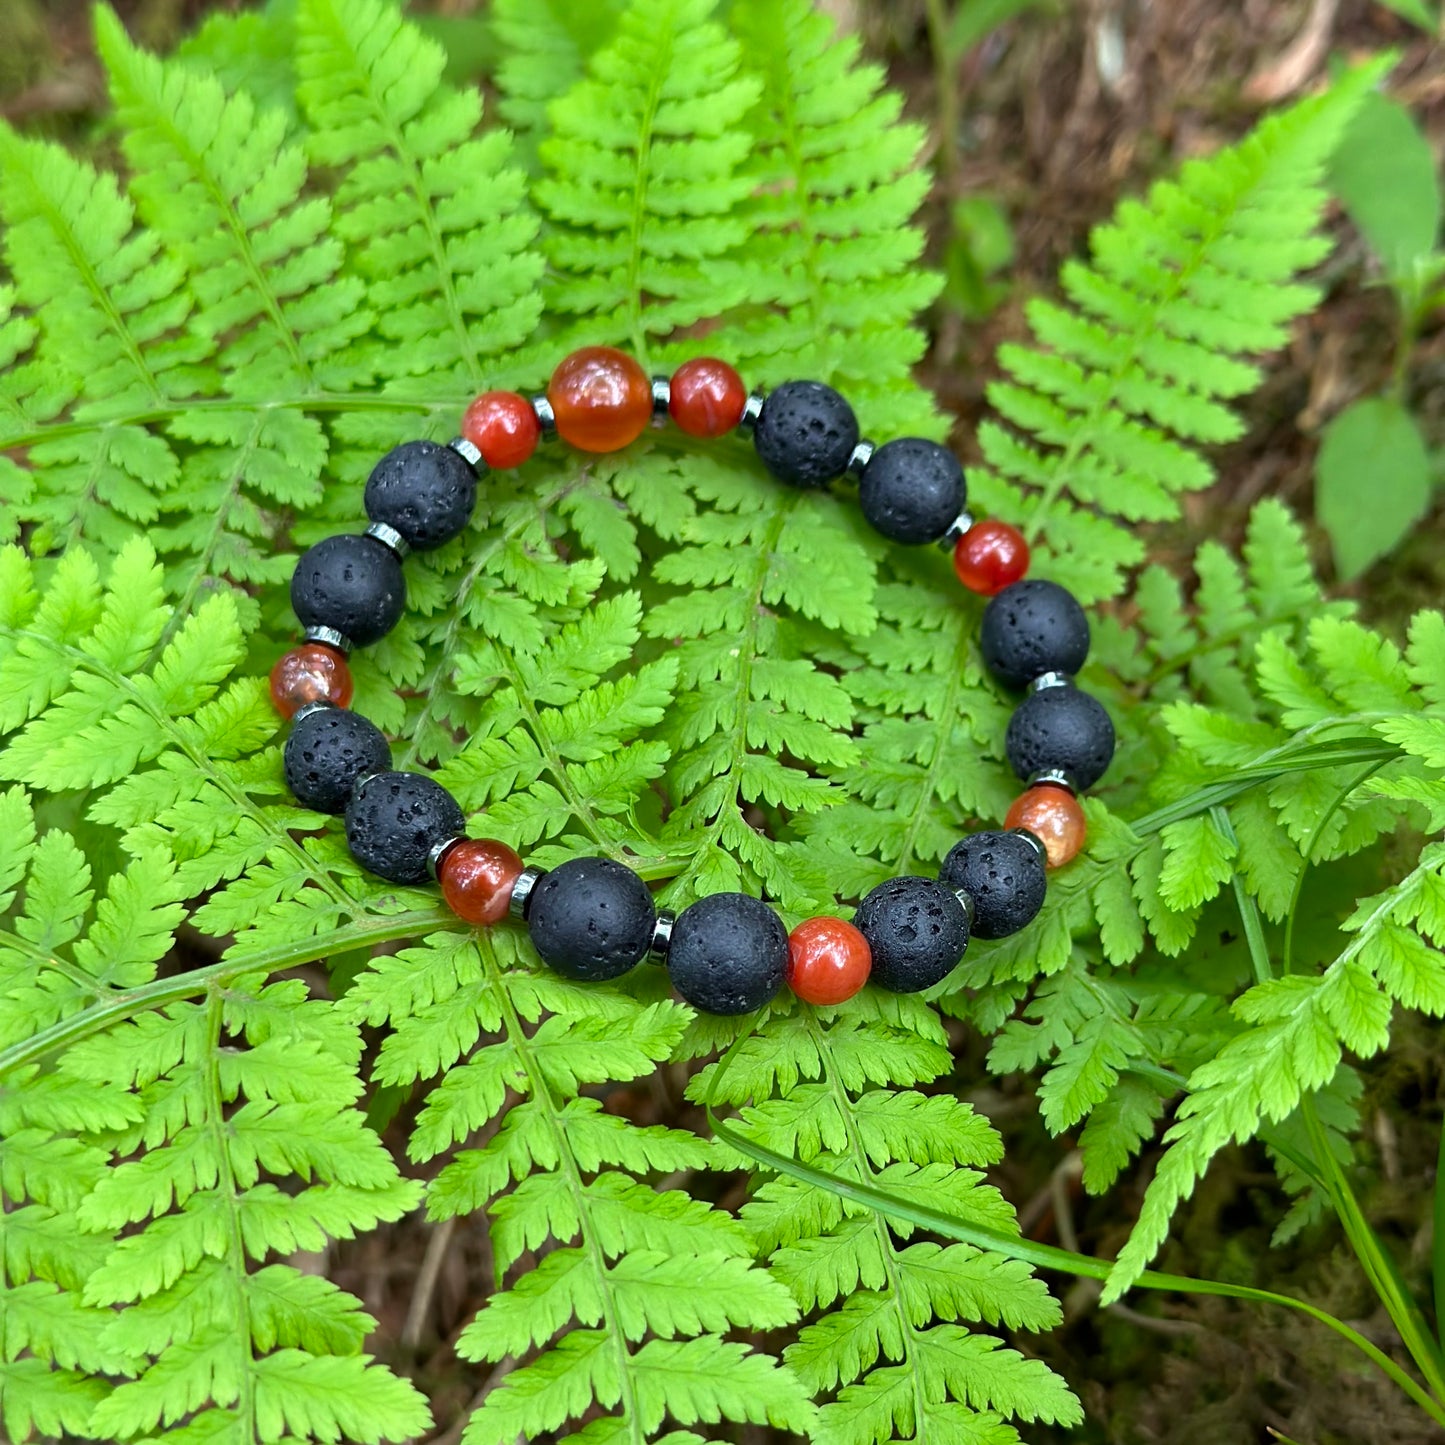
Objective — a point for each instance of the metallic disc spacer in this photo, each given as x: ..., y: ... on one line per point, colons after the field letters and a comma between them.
x: 752, y: 410
x: 363, y: 780
x: 546, y: 417
x: 859, y: 457
x: 956, y: 529
x: 661, y: 395
x: 661, y: 936
x: 321, y: 704
x: 329, y: 636
x: 468, y: 452
x: 527, y: 880
x: 390, y: 538
x: 1057, y: 776
x: 1047, y: 680
x: 1038, y: 843
x: 438, y: 852
x: 965, y: 898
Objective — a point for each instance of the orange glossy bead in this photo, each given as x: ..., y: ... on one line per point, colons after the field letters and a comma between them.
x: 312, y: 672
x: 601, y: 399
x: 706, y: 397
x: 477, y: 875
x: 1053, y: 815
x: 990, y: 556
x: 828, y: 960
x: 503, y: 427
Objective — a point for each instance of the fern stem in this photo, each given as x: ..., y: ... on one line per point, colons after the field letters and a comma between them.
x: 466, y: 348
x: 1306, y: 855
x: 947, y: 716
x: 542, y: 1093
x: 1379, y: 1267
x: 452, y: 638
x: 235, y: 1261
x: 747, y: 650
x: 859, y: 1158
x: 163, y: 412
x: 163, y: 991
x: 1043, y: 1256
x: 635, y: 329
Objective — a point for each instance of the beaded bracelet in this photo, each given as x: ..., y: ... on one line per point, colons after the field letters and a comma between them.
x: 594, y: 918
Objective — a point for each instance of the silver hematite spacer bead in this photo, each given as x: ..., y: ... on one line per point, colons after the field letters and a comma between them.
x: 468, y: 452
x: 1036, y: 841
x: 438, y: 852
x: 859, y: 457
x: 307, y: 708
x: 965, y: 898
x: 527, y: 880
x: 661, y: 936
x: 330, y: 636
x: 957, y: 530
x: 389, y: 537
x: 752, y: 410
x: 1057, y: 776
x: 661, y: 395
x: 546, y: 417
x: 1049, y: 679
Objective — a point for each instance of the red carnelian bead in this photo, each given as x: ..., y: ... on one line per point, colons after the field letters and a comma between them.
x: 1053, y: 815
x: 477, y: 875
x: 990, y: 556
x: 312, y: 672
x: 601, y: 399
x: 503, y: 427
x: 828, y: 960
x: 706, y: 397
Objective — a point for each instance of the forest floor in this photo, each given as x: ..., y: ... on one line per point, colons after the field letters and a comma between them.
x: 1059, y: 114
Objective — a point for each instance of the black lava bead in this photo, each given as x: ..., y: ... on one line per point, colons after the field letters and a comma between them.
x: 353, y: 584
x: 425, y: 491
x: 805, y: 433
x: 327, y: 752
x: 728, y: 953
x: 1060, y: 727
x: 591, y: 919
x: 1032, y: 628
x: 917, y: 931
x: 394, y: 820
x: 912, y: 490
x: 1004, y: 875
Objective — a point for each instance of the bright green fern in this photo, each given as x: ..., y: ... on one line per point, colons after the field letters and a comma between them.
x: 319, y: 248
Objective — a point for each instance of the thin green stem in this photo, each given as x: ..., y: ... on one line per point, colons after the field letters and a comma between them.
x: 1044, y: 1256
x: 1307, y: 855
x: 945, y: 83
x: 1380, y: 1268
x: 1437, y: 1245
x: 127, y: 1004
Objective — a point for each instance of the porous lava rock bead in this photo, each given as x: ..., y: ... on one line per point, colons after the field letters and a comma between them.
x: 805, y: 433
x: 1063, y: 728
x: 326, y: 752
x: 425, y: 491
x: 1004, y: 875
x: 728, y: 954
x: 1032, y: 628
x: 394, y: 820
x: 591, y: 919
x: 912, y: 490
x: 353, y: 584
x: 917, y: 932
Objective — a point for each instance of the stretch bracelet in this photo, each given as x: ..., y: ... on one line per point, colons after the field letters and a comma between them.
x: 593, y: 918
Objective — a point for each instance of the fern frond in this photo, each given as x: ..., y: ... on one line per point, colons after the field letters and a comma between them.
x: 885, y: 1342
x: 551, y: 1170
x: 644, y: 178
x: 1135, y: 369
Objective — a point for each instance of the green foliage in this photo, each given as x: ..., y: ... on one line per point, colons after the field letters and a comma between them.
x: 1373, y: 476
x: 320, y: 248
